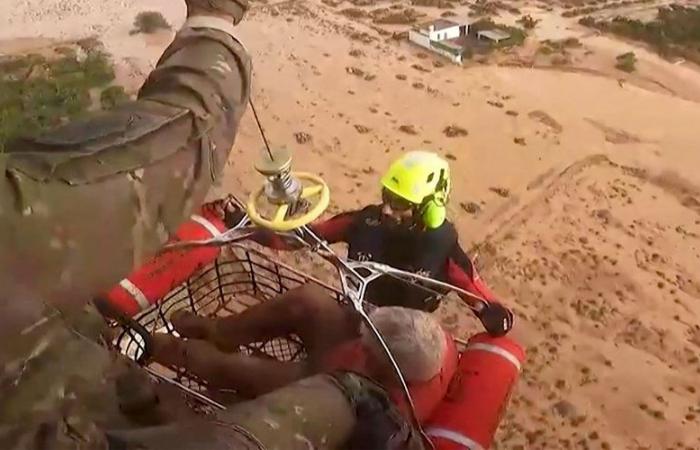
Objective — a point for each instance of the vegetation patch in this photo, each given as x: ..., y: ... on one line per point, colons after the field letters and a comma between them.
x: 481, y: 8
x: 113, y: 96
x: 38, y: 92
x: 559, y: 50
x: 626, y: 62
x: 354, y: 13
x: 576, y: 10
x: 528, y: 22
x: 674, y: 33
x: 149, y: 22
x: 386, y: 16
x: 441, y: 4
x: 561, y: 44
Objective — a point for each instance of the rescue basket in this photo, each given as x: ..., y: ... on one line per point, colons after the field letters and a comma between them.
x: 239, y: 278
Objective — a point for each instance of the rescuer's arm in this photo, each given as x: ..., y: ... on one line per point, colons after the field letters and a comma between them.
x: 462, y: 273
x: 496, y: 318
x: 332, y: 230
x: 81, y: 205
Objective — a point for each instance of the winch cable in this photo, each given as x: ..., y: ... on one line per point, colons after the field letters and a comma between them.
x: 357, y: 304
x: 260, y: 127
x: 365, y: 317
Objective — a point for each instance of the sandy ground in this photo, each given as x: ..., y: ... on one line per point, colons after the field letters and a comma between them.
x: 580, y: 190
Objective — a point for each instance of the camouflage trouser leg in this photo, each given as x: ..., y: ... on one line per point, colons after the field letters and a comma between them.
x: 192, y: 435
x: 326, y: 412
x: 311, y: 413
x: 314, y: 413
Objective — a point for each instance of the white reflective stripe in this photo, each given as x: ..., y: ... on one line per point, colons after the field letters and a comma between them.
x: 135, y: 292
x: 455, y: 437
x: 206, y: 224
x: 496, y: 350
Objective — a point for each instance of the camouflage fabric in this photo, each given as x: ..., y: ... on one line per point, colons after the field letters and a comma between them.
x: 84, y: 204
x: 342, y: 411
x: 314, y: 413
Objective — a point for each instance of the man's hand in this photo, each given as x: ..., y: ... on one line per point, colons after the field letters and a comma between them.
x: 496, y: 318
x: 225, y: 209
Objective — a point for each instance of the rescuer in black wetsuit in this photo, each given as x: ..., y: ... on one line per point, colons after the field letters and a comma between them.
x: 409, y: 230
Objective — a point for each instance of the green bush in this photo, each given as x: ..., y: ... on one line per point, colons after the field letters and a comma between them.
x: 528, y: 22
x: 517, y: 37
x: 587, y: 21
x: 481, y: 25
x: 149, y: 22
x: 626, y: 62
x: 36, y: 93
x: 674, y: 32
x: 545, y: 50
x: 89, y: 44
x: 112, y: 96
x: 66, y: 51
x: 98, y: 69
x: 10, y: 66
x: 571, y: 42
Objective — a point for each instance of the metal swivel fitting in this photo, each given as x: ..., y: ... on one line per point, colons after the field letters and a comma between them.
x: 281, y: 188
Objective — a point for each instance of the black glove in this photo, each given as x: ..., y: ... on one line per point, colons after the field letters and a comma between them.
x: 233, y: 214
x: 496, y: 318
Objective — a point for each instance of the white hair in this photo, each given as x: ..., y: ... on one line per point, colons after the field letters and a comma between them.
x: 414, y: 337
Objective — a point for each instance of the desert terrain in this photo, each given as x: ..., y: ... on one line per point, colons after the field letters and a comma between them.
x: 575, y: 183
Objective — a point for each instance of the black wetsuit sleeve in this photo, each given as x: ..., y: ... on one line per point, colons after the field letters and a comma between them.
x: 462, y: 260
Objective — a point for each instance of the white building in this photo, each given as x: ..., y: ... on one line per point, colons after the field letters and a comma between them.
x: 437, y: 35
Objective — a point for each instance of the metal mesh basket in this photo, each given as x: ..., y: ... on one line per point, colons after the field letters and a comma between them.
x: 238, y: 279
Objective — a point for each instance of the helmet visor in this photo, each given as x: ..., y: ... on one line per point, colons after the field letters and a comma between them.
x: 395, y: 202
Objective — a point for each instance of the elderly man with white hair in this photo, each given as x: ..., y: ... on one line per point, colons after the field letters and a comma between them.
x: 335, y: 340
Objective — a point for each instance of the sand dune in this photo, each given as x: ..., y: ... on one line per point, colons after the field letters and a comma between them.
x: 580, y: 194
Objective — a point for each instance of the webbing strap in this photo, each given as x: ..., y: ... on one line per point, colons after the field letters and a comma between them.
x: 495, y: 350
x: 455, y: 437
x: 206, y: 223
x: 135, y: 292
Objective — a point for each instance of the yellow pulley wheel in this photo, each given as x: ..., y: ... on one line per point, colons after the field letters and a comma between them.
x: 314, y: 190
